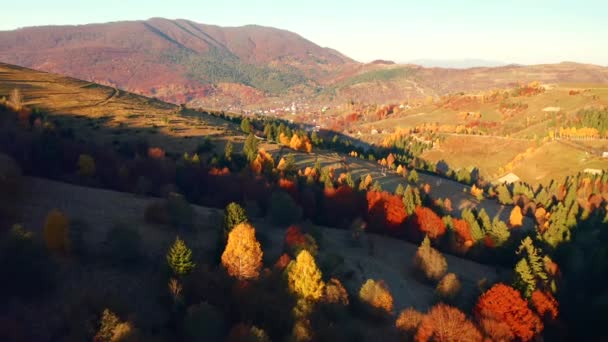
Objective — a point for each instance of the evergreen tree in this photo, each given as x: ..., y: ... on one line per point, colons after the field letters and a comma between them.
x: 413, y: 177
x: 304, y: 277
x: 411, y: 199
x: 476, y: 232
x: 228, y: 149
x: 399, y: 190
x: 233, y: 214
x: 504, y: 195
x: 530, y: 270
x: 246, y: 126
x: 250, y: 148
x: 179, y: 258
x: 499, y: 232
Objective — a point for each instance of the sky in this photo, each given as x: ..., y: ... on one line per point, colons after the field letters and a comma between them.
x: 510, y: 31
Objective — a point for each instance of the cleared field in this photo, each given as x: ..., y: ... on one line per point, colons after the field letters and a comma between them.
x: 487, y: 153
x: 109, y: 115
x: 556, y: 160
x: 378, y: 257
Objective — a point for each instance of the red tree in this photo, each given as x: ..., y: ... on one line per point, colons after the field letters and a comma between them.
x: 385, y: 210
x: 444, y: 323
x: 545, y: 304
x: 503, y: 303
x: 429, y: 223
x: 462, y: 229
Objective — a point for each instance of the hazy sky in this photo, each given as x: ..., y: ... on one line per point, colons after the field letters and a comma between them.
x: 526, y: 31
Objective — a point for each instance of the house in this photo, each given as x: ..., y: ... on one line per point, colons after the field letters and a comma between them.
x: 508, y: 178
x: 605, y: 155
x: 593, y: 171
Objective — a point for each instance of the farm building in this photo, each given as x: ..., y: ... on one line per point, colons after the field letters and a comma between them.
x: 605, y: 155
x: 508, y: 178
x: 593, y: 171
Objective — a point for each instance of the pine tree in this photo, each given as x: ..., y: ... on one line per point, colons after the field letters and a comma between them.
x: 179, y: 258
x: 246, y: 126
x: 242, y: 257
x: 399, y: 190
x: 250, y: 148
x: 413, y: 177
x: 228, y: 149
x: 233, y: 215
x: 304, y: 277
x: 530, y: 270
x: 429, y: 261
x: 377, y: 295
x: 504, y: 195
x: 499, y: 232
x: 476, y: 232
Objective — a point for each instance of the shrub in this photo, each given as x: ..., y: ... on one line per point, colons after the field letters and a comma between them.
x: 449, y: 287
x: 203, y: 322
x: 123, y: 245
x: 25, y: 263
x: 429, y: 261
x: 335, y: 293
x: 408, y: 321
x: 56, y: 228
x: 377, y: 295
x: 283, y: 209
x: 247, y: 333
x: 179, y: 258
x: 157, y: 213
x: 181, y: 212
x: 296, y: 241
x: 86, y: 165
x: 111, y: 329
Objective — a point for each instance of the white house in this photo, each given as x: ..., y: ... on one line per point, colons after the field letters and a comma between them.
x: 508, y: 178
x: 605, y: 155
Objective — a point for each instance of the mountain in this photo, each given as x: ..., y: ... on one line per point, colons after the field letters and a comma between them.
x: 176, y: 60
x: 251, y: 67
x: 463, y: 63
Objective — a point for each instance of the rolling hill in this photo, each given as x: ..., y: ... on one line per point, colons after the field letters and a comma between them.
x: 248, y: 67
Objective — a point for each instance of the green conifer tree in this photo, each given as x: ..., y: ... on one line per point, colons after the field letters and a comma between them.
x: 179, y: 258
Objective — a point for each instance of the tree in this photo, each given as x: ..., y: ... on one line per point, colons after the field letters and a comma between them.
x: 304, y: 277
x: 444, y: 323
x: 411, y: 199
x: 399, y: 190
x: 250, y: 148
x: 377, y: 295
x: 179, y: 258
x: 228, y: 149
x: 504, y: 195
x: 233, y: 215
x: 242, y: 257
x: 335, y: 293
x: 247, y: 333
x: 429, y: 222
x: 545, y: 304
x: 246, y: 126
x: 408, y: 321
x: 504, y: 304
x: 449, y: 287
x: 283, y: 209
x: 429, y: 261
x: 499, y: 233
x: 516, y: 217
x: 413, y: 177
x: 111, y: 329
x: 530, y: 270
x: 86, y: 165
x: 56, y: 228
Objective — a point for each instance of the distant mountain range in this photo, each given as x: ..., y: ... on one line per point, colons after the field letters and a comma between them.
x: 181, y: 61
x: 463, y: 63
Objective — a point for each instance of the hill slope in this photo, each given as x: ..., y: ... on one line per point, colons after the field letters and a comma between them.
x: 177, y: 60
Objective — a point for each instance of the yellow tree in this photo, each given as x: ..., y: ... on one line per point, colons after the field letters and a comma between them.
x: 516, y: 217
x: 305, y: 278
x: 242, y: 257
x: 377, y: 295
x: 56, y: 231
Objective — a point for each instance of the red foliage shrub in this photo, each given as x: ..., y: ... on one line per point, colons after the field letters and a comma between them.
x: 156, y: 153
x: 282, y: 262
x: 219, y: 172
x: 294, y: 237
x: 342, y: 205
x: 429, y: 222
x: 545, y: 304
x: 504, y: 304
x: 289, y: 186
